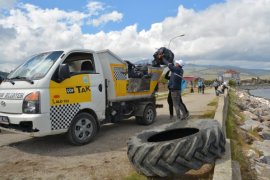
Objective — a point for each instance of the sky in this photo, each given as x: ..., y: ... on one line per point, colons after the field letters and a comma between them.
x: 216, y: 32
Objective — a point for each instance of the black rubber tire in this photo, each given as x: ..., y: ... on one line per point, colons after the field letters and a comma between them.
x: 90, y: 127
x: 175, y: 148
x: 149, y: 115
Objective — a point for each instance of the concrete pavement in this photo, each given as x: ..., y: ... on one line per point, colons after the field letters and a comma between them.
x: 197, y: 104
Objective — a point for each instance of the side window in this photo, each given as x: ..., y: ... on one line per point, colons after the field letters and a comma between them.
x: 81, y: 63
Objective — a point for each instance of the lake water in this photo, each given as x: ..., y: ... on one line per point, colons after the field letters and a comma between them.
x: 264, y: 93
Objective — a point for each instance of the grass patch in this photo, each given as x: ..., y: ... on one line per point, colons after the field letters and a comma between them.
x: 165, y: 95
x: 135, y: 176
x: 210, y: 114
x: 238, y: 144
x: 161, y: 96
x: 214, y: 102
x: 255, y: 134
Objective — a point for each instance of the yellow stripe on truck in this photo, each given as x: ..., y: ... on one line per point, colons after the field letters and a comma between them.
x: 120, y: 79
x: 75, y: 89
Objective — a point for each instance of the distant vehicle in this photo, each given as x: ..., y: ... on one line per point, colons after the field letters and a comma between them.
x: 74, y: 92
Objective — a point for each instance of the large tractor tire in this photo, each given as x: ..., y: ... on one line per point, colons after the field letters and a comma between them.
x: 176, y: 148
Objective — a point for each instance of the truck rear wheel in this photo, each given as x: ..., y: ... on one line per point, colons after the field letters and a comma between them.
x: 149, y: 115
x: 83, y: 129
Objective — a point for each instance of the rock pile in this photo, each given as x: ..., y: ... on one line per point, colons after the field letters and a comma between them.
x: 256, y: 113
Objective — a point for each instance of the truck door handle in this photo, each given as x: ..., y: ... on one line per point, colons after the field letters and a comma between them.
x: 100, y: 87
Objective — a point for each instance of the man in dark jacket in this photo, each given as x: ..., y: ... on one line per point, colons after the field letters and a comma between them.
x: 169, y: 98
x: 175, y: 86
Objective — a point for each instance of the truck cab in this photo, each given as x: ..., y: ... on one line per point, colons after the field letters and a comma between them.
x: 73, y: 92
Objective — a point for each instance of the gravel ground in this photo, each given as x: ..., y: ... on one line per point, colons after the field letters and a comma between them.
x: 52, y: 157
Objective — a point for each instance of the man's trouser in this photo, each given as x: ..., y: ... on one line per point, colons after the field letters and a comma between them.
x: 170, y: 103
x: 178, y: 106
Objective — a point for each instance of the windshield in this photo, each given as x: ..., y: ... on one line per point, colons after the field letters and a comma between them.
x: 36, y: 67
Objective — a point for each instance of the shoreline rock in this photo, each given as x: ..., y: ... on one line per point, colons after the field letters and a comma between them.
x: 256, y: 111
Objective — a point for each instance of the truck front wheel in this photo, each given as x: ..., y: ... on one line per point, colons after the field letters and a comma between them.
x: 149, y: 115
x: 83, y: 129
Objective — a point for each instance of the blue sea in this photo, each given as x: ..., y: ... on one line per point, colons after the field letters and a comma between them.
x: 264, y: 93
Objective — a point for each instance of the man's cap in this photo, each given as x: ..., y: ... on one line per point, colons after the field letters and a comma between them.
x: 180, y: 62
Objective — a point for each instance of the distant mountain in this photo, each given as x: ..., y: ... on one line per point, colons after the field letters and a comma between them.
x: 254, y: 72
x: 212, y: 71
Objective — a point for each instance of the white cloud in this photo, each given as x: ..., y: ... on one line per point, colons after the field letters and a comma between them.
x: 95, y: 7
x: 232, y: 33
x: 236, y: 32
x: 29, y: 29
x: 4, y: 4
x: 105, y: 18
x: 36, y: 30
x: 99, y: 15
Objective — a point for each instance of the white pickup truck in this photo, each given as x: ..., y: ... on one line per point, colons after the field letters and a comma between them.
x: 75, y: 92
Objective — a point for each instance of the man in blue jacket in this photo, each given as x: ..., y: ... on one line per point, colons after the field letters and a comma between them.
x: 175, y: 86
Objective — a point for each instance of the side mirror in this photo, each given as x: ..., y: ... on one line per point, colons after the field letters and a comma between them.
x: 63, y: 72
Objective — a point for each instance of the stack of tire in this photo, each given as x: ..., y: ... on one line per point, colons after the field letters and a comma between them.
x: 176, y: 148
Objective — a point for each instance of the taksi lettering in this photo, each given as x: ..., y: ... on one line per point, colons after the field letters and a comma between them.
x: 83, y: 89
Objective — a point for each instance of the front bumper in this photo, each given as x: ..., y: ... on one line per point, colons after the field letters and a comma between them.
x: 31, y: 124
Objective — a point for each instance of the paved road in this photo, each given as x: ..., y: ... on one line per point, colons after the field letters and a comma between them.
x: 196, y: 103
x: 53, y: 158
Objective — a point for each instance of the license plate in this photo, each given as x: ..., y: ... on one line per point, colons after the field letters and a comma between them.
x: 4, y: 120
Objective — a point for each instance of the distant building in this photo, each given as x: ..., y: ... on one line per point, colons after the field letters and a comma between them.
x: 190, y: 78
x: 231, y: 75
x: 191, y: 82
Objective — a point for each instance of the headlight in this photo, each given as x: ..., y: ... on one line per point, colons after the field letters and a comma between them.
x: 31, y: 104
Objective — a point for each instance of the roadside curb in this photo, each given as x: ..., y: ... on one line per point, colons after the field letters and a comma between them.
x: 225, y: 168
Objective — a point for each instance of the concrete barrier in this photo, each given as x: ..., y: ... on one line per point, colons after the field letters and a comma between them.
x: 225, y: 168
x: 222, y: 110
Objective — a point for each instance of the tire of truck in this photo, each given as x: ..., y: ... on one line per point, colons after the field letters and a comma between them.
x: 176, y: 148
x: 149, y: 115
x: 83, y: 129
